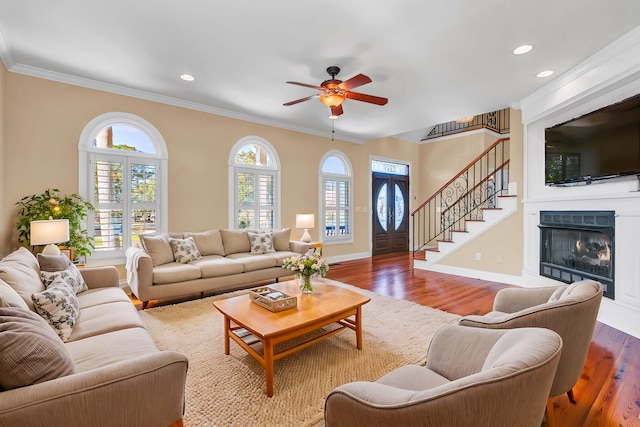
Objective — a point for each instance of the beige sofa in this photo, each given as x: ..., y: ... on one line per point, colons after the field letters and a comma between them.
x: 108, y: 372
x: 216, y: 261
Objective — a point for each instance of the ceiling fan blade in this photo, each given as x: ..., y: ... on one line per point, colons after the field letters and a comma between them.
x: 367, y: 98
x: 306, y: 85
x: 297, y: 101
x: 355, y: 81
x: 337, y: 111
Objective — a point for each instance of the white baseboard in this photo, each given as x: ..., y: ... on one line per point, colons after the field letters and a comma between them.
x: 468, y: 272
x: 347, y: 257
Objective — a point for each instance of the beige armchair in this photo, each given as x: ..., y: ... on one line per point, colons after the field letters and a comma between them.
x: 473, y: 377
x: 569, y: 310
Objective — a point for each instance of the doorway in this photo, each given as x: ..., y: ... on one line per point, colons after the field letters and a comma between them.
x: 390, y: 194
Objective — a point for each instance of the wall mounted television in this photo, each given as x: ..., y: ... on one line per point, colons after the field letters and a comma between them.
x: 603, y: 144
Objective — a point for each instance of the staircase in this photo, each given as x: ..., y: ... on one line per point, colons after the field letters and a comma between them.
x: 472, y: 202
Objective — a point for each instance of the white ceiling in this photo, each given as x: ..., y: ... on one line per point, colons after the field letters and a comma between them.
x: 435, y: 60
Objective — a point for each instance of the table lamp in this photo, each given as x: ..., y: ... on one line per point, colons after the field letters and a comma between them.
x: 49, y: 232
x: 305, y: 221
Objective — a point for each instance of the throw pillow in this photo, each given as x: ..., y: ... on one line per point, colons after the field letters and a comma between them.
x: 261, y: 243
x: 184, y: 250
x: 10, y: 298
x: 31, y: 352
x: 59, y: 306
x: 158, y: 248
x: 71, y: 276
x: 53, y: 262
x: 281, y: 239
x: 555, y: 296
x: 235, y: 241
x: 208, y: 242
x: 20, y: 270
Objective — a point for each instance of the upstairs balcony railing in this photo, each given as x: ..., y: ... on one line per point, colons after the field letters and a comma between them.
x: 463, y: 198
x: 497, y: 121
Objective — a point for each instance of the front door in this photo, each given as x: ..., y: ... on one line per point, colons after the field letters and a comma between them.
x: 390, y: 213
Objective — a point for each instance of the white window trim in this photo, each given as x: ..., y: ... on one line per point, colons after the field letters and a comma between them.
x: 86, y: 151
x: 334, y: 240
x: 233, y: 168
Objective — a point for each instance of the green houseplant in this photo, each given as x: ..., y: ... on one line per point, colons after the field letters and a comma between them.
x: 52, y: 204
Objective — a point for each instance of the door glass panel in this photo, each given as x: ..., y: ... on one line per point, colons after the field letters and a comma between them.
x: 399, y: 208
x: 381, y: 203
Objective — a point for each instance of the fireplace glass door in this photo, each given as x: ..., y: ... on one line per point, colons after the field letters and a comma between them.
x: 586, y: 251
x: 577, y: 246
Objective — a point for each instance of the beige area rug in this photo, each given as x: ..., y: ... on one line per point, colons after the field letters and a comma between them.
x: 230, y: 390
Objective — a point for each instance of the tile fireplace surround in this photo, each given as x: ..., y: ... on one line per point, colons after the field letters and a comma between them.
x: 609, y: 76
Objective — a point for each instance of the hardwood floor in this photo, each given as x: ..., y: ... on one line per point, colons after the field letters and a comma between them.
x: 608, y: 392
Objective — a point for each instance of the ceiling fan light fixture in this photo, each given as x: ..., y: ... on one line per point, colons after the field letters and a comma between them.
x: 465, y: 119
x: 333, y: 117
x: 332, y: 99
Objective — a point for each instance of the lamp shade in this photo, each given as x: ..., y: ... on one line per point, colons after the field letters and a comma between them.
x: 305, y: 220
x: 49, y: 231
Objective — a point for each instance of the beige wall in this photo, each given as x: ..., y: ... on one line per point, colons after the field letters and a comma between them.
x: 440, y: 160
x: 41, y: 123
x: 45, y: 119
x: 501, y: 248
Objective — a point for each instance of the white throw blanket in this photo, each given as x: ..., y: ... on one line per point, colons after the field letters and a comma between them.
x: 133, y: 255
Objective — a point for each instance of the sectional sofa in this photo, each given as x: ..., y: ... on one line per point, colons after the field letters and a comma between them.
x: 174, y: 265
x: 77, y: 352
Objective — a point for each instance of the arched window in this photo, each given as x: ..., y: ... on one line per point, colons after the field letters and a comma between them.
x: 123, y: 163
x: 254, y: 173
x: 335, y: 193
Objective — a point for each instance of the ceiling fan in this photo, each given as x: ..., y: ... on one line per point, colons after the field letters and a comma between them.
x: 335, y: 92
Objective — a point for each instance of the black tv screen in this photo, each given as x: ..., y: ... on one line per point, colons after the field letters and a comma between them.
x: 600, y: 145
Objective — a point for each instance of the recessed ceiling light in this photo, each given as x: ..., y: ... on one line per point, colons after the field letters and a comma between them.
x: 187, y: 77
x: 546, y: 73
x: 522, y: 49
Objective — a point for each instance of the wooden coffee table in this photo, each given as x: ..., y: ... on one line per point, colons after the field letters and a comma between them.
x: 327, y: 304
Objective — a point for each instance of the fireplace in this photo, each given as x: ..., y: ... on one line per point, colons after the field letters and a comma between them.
x: 578, y: 245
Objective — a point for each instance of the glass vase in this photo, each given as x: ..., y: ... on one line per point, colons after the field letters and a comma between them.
x: 304, y: 280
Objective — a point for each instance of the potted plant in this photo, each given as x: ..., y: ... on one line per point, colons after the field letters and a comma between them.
x: 52, y: 204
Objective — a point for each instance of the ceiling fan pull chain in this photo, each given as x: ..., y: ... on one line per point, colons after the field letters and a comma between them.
x: 333, y: 130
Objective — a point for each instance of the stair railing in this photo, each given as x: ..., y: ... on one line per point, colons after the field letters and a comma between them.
x: 474, y: 188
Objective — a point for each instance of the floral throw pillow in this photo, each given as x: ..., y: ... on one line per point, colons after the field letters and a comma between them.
x: 184, y: 250
x: 261, y: 243
x: 71, y: 275
x: 59, y: 306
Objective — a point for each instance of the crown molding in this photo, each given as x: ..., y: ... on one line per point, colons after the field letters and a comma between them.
x: 5, y: 52
x: 614, y: 65
x: 162, y: 99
